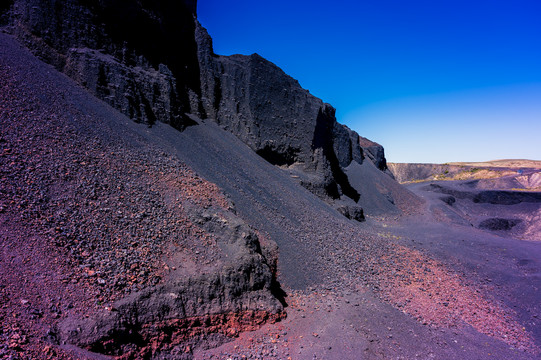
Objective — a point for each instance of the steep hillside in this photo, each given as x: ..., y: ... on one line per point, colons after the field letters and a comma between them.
x: 99, y: 227
x: 155, y: 63
x: 226, y: 221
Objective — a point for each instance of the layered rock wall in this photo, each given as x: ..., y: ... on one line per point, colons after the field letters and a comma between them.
x: 238, y: 293
x: 268, y: 110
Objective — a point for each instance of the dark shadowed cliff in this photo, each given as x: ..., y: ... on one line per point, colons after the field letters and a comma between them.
x: 268, y: 110
x: 154, y: 62
x: 140, y: 57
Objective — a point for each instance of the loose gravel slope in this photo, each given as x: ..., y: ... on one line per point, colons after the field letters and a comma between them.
x: 95, y: 207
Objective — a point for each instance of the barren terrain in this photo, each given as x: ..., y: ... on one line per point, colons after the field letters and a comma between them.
x: 500, y: 174
x: 99, y: 213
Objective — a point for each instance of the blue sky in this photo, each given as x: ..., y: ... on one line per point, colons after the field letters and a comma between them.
x: 432, y: 81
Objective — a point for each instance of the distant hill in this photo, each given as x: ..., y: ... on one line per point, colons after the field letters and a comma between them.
x: 509, y: 174
x: 505, y: 163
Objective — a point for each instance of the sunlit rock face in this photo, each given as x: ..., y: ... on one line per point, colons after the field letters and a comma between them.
x: 268, y: 110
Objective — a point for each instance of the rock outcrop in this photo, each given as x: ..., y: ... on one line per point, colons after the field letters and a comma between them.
x: 268, y: 110
x: 375, y: 153
x: 520, y: 174
x: 494, y: 197
x: 352, y: 212
x: 155, y: 62
x: 238, y: 293
x: 139, y: 58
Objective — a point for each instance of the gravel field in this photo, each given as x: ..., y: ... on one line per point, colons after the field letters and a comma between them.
x: 89, y: 213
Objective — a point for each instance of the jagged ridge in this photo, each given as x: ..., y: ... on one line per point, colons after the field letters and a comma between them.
x: 155, y: 62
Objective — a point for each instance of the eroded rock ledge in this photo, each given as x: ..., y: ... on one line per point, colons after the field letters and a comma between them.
x: 237, y: 293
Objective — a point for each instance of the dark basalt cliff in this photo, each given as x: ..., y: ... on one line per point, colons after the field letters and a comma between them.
x: 375, y: 153
x: 154, y: 62
x: 139, y: 56
x: 268, y: 110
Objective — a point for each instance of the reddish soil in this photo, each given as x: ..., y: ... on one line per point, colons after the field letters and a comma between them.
x: 87, y: 215
x: 427, y: 290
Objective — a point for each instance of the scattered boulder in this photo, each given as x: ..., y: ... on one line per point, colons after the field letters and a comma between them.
x: 499, y: 224
x: 449, y: 200
x: 352, y: 212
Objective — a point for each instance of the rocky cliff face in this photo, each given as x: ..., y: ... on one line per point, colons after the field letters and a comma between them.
x: 154, y: 255
x: 268, y: 110
x: 154, y: 62
x: 140, y: 57
x: 375, y: 153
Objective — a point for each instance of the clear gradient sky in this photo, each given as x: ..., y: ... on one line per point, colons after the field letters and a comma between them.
x: 432, y: 81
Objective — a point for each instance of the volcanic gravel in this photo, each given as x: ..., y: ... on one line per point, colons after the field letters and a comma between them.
x: 87, y: 215
x: 90, y: 211
x: 319, y: 248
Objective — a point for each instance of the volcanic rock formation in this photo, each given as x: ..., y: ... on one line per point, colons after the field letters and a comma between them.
x: 375, y: 153
x: 138, y: 241
x: 92, y: 207
x: 155, y: 62
x: 139, y: 58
